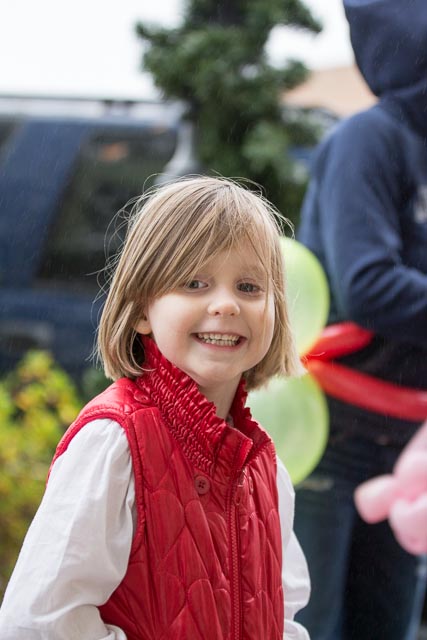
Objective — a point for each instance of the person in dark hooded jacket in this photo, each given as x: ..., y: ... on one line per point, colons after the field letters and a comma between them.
x: 365, y: 217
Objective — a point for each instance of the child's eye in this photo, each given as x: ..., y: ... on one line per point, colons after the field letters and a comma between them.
x: 248, y: 287
x: 195, y: 284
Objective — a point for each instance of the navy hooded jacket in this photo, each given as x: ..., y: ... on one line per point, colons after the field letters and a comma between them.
x: 365, y: 211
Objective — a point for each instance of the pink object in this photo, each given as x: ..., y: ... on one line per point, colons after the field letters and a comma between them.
x: 409, y: 523
x: 401, y: 497
x: 411, y: 473
x: 374, y: 498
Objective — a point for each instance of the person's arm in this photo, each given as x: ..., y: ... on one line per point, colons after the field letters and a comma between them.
x: 77, y: 548
x: 295, y: 576
x: 361, y: 195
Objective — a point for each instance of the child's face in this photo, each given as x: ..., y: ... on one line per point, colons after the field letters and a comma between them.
x: 218, y: 325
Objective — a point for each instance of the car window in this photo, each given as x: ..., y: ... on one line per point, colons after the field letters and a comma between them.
x: 114, y: 166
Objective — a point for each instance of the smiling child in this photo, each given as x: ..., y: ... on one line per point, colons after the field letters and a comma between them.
x: 167, y: 514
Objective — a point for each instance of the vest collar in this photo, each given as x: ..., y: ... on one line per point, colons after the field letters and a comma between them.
x: 191, y: 417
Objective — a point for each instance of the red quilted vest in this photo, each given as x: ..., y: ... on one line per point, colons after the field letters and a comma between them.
x: 205, y: 563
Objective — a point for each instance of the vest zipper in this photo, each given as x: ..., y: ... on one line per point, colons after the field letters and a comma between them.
x: 236, y: 598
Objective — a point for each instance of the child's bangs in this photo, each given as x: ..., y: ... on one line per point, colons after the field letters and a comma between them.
x: 198, y: 224
x: 259, y: 234
x: 241, y: 221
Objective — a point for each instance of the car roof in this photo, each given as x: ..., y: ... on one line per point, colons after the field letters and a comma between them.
x: 97, y: 111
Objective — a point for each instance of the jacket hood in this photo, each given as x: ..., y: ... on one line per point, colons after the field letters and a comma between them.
x: 389, y: 40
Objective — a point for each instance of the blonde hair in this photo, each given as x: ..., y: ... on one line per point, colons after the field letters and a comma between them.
x: 174, y: 231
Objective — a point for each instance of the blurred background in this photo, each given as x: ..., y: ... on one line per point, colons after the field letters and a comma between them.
x: 93, y: 50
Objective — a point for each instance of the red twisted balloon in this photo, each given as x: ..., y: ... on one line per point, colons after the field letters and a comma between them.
x: 354, y: 387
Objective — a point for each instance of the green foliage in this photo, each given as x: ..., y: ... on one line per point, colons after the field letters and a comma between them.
x: 37, y: 403
x: 216, y: 63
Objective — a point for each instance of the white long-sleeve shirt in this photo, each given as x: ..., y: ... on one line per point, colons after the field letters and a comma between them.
x: 77, y: 548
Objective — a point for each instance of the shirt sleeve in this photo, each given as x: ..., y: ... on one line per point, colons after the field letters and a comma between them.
x: 77, y: 548
x: 364, y: 235
x: 295, y: 576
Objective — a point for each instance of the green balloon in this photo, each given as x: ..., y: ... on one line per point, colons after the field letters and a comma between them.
x: 307, y: 293
x: 295, y: 414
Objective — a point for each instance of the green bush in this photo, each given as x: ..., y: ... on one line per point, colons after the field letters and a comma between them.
x: 38, y: 401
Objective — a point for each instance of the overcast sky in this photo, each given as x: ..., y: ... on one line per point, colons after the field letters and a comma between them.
x: 88, y: 47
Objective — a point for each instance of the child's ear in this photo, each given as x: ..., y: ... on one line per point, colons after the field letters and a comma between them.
x: 143, y: 326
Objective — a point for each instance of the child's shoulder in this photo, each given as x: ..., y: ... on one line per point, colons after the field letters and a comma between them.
x: 118, y: 403
x: 124, y: 396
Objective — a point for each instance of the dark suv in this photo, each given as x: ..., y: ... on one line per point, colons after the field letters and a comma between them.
x: 66, y: 167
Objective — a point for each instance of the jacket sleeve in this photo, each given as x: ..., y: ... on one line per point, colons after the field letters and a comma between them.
x: 295, y: 576
x: 64, y: 572
x: 360, y: 187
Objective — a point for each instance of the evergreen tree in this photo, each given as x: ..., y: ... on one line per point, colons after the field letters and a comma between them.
x: 216, y: 63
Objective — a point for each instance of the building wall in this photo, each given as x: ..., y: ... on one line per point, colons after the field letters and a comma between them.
x: 341, y: 90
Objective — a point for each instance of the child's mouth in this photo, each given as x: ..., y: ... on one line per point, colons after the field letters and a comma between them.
x: 219, y: 339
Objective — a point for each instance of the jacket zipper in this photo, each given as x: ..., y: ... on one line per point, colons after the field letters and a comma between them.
x: 235, y: 496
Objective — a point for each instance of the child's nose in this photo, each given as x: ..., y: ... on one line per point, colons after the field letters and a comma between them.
x: 223, y: 304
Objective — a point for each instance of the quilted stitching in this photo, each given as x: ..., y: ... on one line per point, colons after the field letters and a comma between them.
x: 178, y: 581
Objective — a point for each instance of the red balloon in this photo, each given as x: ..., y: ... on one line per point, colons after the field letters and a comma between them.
x: 339, y: 340
x: 368, y: 392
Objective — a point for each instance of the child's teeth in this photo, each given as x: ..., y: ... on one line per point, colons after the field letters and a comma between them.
x: 217, y: 338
